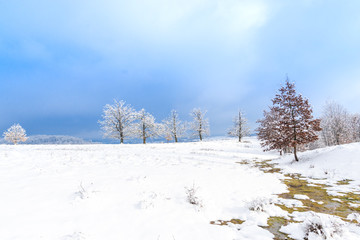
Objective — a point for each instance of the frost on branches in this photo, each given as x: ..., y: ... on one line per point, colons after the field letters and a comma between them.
x: 339, y: 126
x: 289, y: 123
x: 15, y: 134
x: 269, y: 131
x: 240, y: 128
x: 200, y: 124
x: 174, y: 128
x: 117, y: 120
x: 146, y: 127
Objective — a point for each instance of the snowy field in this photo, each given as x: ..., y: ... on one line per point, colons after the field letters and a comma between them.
x: 137, y: 192
x: 332, y: 164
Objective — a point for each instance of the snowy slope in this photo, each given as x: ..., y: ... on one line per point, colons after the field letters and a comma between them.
x: 332, y: 163
x: 132, y: 191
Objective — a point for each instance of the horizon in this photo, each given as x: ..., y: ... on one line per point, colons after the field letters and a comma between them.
x: 59, y: 70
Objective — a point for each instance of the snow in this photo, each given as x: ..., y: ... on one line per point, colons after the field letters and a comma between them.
x: 301, y: 196
x: 318, y: 226
x: 132, y: 191
x: 328, y: 166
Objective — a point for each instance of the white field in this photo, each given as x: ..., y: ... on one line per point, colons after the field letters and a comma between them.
x: 137, y: 192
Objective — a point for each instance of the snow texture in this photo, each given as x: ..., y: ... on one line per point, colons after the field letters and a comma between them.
x: 131, y: 191
x: 161, y: 191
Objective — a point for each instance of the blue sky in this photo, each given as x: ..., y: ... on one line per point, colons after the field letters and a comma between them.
x: 62, y: 61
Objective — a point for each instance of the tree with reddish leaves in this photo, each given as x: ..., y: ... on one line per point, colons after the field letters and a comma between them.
x: 289, y: 123
x: 269, y: 131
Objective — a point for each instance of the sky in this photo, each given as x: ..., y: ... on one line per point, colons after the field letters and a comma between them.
x: 62, y: 61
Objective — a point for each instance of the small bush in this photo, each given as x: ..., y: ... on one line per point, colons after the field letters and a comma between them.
x: 324, y: 226
x: 259, y: 204
x: 191, y: 194
x: 315, y: 228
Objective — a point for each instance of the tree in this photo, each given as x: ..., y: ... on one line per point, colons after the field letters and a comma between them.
x: 240, y: 128
x: 15, y: 134
x: 174, y: 128
x: 146, y: 127
x: 200, y: 124
x: 269, y: 131
x: 118, y: 120
x: 293, y: 114
x: 355, y: 127
x: 335, y: 123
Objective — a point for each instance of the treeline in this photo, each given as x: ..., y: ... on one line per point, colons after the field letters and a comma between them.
x: 288, y: 125
x: 121, y: 121
x: 338, y: 126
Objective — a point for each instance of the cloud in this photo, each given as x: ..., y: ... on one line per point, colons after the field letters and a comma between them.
x: 111, y: 26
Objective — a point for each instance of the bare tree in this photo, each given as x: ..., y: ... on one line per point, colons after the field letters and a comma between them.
x: 335, y: 123
x: 355, y: 127
x: 296, y: 125
x: 117, y: 120
x: 200, y: 124
x: 174, y: 128
x: 240, y: 128
x: 146, y: 127
x: 15, y: 134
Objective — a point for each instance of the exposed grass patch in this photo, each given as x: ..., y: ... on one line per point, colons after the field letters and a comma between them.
x: 275, y: 223
x: 317, y: 193
x: 288, y: 209
x: 319, y: 200
x: 350, y: 197
x: 224, y: 223
x: 344, y: 182
x: 244, y: 162
x: 266, y: 166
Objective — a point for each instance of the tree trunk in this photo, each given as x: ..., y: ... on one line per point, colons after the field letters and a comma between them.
x: 239, y: 126
x: 200, y: 130
x: 175, y: 137
x: 121, y: 137
x: 296, y: 158
x: 144, y: 133
x: 121, y: 132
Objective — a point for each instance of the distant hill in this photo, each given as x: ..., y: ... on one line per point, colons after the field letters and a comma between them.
x: 52, y: 139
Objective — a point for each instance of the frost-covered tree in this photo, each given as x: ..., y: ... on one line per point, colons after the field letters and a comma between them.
x: 240, y: 128
x: 174, y: 128
x: 200, y: 124
x: 15, y: 134
x: 334, y: 123
x: 118, y: 120
x: 339, y: 126
x: 269, y: 131
x: 296, y: 125
x: 355, y: 127
x: 146, y: 127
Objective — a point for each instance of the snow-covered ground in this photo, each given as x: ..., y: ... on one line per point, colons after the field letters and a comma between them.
x: 337, y: 162
x: 329, y: 165
x: 131, y: 191
x: 137, y: 192
x: 337, y: 168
